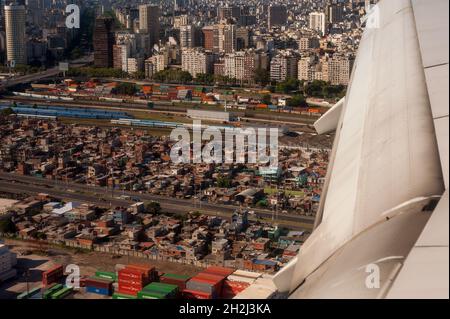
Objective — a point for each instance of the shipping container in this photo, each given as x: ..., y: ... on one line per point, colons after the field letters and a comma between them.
x: 99, y: 282
x: 52, y: 275
x: 60, y: 294
x: 30, y: 293
x: 221, y: 271
x: 151, y: 295
x: 193, y: 294
x: 170, y: 291
x: 175, y: 279
x: 106, y: 275
x: 51, y: 290
x: 118, y: 295
x: 99, y: 291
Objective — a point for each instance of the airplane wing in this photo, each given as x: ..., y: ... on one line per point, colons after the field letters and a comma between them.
x: 381, y: 230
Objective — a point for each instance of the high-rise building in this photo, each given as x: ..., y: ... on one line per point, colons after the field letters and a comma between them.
x: 277, y: 16
x: 187, y: 36
x: 317, y: 22
x: 283, y: 66
x: 135, y: 64
x: 339, y: 69
x: 208, y: 37
x: 242, y: 38
x: 15, y: 17
x: 179, y: 21
x: 335, y: 13
x: 103, y: 42
x: 229, y: 12
x: 197, y: 61
x: 149, y: 22
x: 241, y: 65
x: 226, y: 34
x: 308, y: 43
x: 121, y: 53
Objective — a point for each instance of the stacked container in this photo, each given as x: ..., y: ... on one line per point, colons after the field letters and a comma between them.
x: 157, y: 290
x: 47, y: 294
x: 52, y: 275
x: 206, y: 283
x: 106, y: 275
x: 175, y: 279
x: 237, y: 282
x: 99, y: 286
x: 221, y: 271
x: 133, y: 278
x: 191, y: 294
x: 118, y: 295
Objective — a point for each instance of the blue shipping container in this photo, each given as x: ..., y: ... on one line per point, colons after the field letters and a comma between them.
x: 99, y: 291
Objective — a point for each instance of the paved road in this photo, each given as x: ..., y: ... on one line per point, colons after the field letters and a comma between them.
x: 44, y: 74
x: 102, y: 196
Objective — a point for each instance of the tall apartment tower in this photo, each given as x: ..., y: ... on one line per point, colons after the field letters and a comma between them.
x: 335, y: 13
x: 15, y: 17
x: 103, y: 42
x: 277, y: 15
x: 317, y: 22
x: 149, y: 22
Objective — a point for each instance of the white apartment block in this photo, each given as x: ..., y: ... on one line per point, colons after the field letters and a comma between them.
x: 187, y: 36
x: 283, y: 67
x: 135, y: 65
x: 197, y: 61
x: 317, y: 21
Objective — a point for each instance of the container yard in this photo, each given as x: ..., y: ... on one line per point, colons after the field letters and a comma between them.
x: 142, y: 281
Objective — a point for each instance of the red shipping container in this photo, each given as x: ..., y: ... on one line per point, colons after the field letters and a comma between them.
x: 192, y: 294
x: 216, y: 284
x: 223, y: 271
x: 59, y: 269
x: 134, y: 282
x: 131, y: 274
x: 52, y: 275
x: 127, y: 291
x: 130, y: 287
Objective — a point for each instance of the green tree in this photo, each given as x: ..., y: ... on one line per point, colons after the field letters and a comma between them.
x: 266, y: 99
x: 297, y: 100
x: 125, y: 88
x: 153, y: 208
x: 261, y: 76
x: 287, y: 86
x: 6, y: 112
x: 223, y: 182
x: 7, y: 226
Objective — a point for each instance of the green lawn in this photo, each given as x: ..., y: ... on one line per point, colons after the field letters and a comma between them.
x: 270, y: 191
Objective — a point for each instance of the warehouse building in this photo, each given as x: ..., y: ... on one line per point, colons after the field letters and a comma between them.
x: 210, y: 115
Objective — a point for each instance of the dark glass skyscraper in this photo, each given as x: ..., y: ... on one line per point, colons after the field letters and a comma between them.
x: 103, y: 42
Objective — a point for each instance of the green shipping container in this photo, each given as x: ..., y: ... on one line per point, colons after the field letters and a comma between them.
x: 62, y: 293
x: 28, y: 294
x: 106, y: 275
x: 151, y: 295
x: 117, y: 295
x: 167, y: 289
x: 51, y: 290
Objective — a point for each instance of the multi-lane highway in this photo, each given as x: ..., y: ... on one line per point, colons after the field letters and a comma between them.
x: 105, y: 197
x: 27, y: 78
